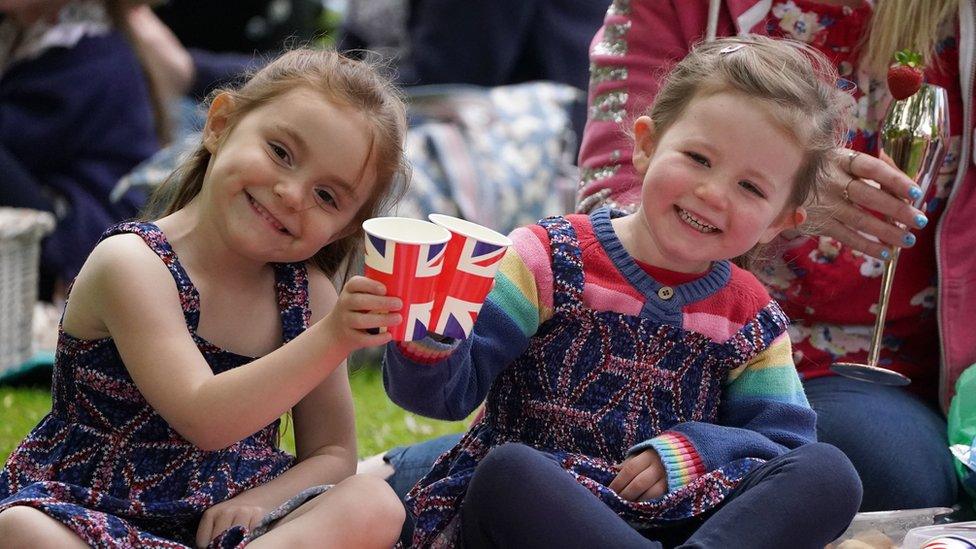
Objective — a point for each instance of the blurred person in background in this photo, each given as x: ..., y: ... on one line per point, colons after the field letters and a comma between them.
x: 77, y: 111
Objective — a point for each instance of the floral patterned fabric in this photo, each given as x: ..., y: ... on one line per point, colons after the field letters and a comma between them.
x: 105, y: 464
x: 830, y: 291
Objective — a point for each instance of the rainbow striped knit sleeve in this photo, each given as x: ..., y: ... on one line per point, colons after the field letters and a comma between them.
x: 522, y: 295
x: 771, y: 375
x: 764, y: 413
x: 450, y: 379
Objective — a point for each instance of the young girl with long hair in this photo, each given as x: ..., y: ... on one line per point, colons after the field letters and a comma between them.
x: 186, y: 338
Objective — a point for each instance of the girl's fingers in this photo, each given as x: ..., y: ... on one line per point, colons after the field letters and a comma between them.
x: 370, y: 302
x: 630, y: 468
x: 360, y: 283
x: 641, y: 483
x: 205, y: 530
x: 368, y: 320
x: 242, y: 517
x: 655, y: 491
x: 221, y: 523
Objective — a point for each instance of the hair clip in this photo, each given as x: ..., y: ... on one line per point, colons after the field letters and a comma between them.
x: 732, y: 48
x: 846, y: 85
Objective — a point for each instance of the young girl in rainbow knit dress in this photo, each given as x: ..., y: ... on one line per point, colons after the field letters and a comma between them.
x: 640, y: 386
x: 164, y: 426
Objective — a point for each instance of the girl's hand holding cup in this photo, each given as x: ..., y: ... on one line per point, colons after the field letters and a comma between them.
x: 443, y: 271
x: 363, y: 308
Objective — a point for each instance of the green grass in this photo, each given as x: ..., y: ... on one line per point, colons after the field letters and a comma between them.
x: 380, y: 424
x: 20, y: 410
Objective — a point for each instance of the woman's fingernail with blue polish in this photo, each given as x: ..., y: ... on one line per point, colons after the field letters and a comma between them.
x: 909, y: 239
x: 915, y: 193
x: 885, y: 254
x: 921, y: 221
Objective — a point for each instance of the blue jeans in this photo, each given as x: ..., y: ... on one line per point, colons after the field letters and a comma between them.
x: 897, y: 442
x: 410, y: 464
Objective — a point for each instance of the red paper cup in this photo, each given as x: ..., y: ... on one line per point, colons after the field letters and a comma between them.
x: 406, y: 255
x: 470, y: 263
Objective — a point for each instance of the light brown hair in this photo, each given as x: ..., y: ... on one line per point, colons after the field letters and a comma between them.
x: 347, y: 82
x: 797, y: 82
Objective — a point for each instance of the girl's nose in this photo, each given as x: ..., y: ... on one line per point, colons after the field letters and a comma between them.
x: 711, y: 193
x: 290, y: 194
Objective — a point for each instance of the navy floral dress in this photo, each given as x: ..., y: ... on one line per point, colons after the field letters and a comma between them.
x: 106, y: 465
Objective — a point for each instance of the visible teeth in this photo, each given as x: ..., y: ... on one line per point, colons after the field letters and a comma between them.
x: 696, y: 223
x: 267, y: 215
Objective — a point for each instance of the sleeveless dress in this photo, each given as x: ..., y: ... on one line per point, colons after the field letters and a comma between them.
x: 105, y: 464
x: 592, y: 385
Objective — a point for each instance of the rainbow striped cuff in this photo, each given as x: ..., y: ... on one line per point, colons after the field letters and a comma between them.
x: 681, y: 461
x: 426, y: 350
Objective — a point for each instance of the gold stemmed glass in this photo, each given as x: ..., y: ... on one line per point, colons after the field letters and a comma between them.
x: 914, y: 135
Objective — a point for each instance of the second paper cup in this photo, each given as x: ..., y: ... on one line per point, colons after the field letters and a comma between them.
x: 470, y: 263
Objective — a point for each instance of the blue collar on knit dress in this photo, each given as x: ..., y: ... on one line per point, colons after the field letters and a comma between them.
x: 665, y: 310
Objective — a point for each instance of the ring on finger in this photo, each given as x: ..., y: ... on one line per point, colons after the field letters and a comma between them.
x: 847, y: 189
x: 851, y: 155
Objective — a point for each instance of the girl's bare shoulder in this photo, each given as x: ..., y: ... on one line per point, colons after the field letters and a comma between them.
x: 121, y: 270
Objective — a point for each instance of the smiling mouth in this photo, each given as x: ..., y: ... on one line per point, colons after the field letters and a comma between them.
x: 261, y: 211
x: 696, y: 223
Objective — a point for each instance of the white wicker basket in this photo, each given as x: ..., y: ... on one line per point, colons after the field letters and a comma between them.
x: 21, y: 231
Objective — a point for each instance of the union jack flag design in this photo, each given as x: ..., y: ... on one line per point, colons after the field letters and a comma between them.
x: 948, y: 542
x: 408, y: 271
x: 469, y: 272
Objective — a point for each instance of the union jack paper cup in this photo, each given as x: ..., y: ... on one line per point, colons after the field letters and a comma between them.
x: 948, y: 542
x: 406, y: 255
x: 470, y: 263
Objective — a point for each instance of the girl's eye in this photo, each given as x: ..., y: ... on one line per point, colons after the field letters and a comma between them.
x: 324, y: 198
x: 699, y: 159
x: 280, y: 152
x: 752, y: 188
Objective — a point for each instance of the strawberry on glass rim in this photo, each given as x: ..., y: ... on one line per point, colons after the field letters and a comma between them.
x: 905, y: 76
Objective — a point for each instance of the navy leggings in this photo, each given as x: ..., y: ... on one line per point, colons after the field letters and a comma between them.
x: 520, y: 497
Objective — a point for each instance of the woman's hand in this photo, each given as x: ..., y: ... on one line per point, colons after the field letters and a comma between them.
x: 641, y: 477
x: 237, y: 511
x: 863, y: 184
x: 363, y: 306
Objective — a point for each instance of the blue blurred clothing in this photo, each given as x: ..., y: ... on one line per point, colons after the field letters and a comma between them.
x: 215, y: 69
x: 893, y: 478
x: 73, y: 120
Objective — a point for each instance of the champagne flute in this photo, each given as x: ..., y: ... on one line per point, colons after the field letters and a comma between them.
x: 914, y: 134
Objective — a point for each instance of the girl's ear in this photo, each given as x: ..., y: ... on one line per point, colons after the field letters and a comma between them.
x: 790, y: 219
x: 217, y: 121
x: 643, y: 143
